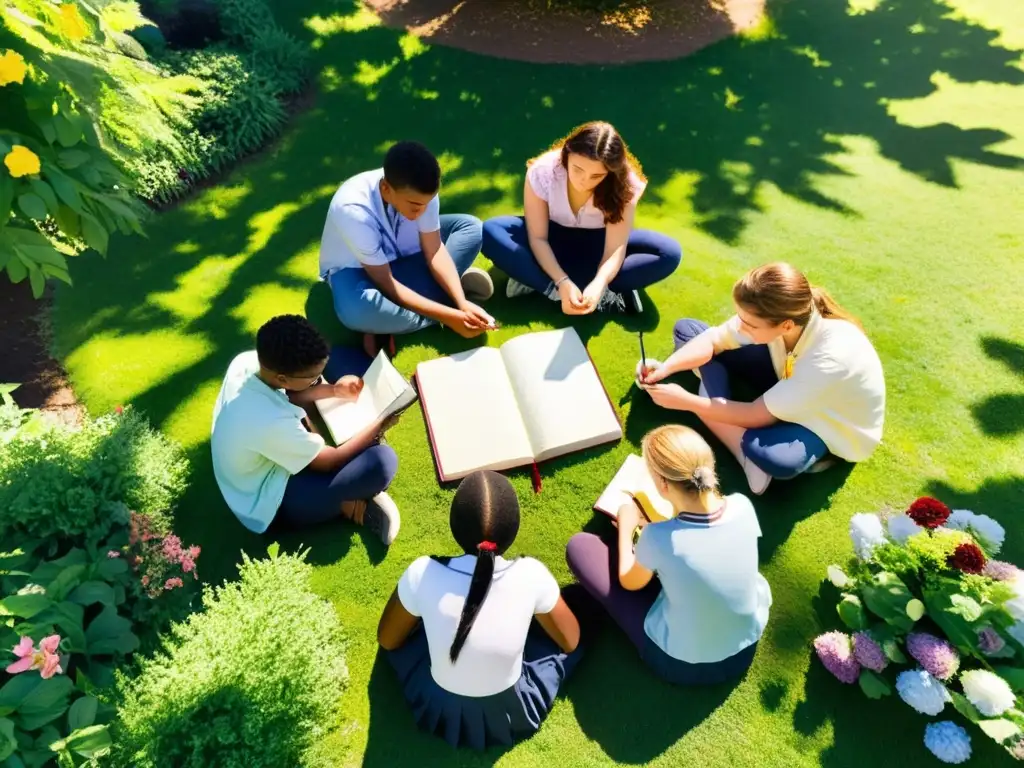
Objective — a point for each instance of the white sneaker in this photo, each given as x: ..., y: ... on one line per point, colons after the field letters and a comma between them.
x: 757, y: 478
x: 514, y: 288
x: 382, y: 517
x: 477, y: 284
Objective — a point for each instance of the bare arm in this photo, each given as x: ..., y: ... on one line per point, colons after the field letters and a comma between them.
x: 561, y: 626
x: 746, y: 415
x: 332, y: 459
x: 396, y: 624
x: 537, y: 215
x: 693, y: 354
x: 615, y: 240
x: 632, y: 575
x: 406, y: 297
x: 441, y: 266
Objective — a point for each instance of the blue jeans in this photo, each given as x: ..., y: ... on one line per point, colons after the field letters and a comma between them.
x: 783, y: 450
x: 314, y: 497
x: 650, y: 256
x: 361, y: 306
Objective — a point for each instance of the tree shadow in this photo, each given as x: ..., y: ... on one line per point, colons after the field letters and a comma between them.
x: 999, y: 497
x: 1002, y: 415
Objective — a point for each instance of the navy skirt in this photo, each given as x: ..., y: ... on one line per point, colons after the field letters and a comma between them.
x: 500, y: 719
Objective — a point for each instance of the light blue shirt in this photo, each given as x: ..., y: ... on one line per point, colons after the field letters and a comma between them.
x: 361, y: 231
x: 713, y: 601
x: 258, y: 442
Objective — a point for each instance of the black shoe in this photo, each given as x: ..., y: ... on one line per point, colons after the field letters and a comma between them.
x: 633, y: 304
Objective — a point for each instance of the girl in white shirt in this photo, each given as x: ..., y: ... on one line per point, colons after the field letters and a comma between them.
x: 474, y: 665
x: 576, y: 243
x: 819, y: 380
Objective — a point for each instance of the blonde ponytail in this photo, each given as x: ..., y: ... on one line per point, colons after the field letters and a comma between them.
x: 779, y: 292
x: 682, y: 457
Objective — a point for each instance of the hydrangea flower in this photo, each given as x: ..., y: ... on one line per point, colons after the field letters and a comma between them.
x: 987, y: 531
x: 948, y: 742
x: 989, y: 641
x: 987, y: 691
x: 836, y: 653
x: 901, y: 528
x: 866, y: 533
x: 928, y: 512
x: 1000, y: 571
x: 922, y: 691
x: 868, y: 652
x: 937, y: 656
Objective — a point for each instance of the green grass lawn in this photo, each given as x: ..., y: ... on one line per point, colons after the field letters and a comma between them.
x: 876, y: 144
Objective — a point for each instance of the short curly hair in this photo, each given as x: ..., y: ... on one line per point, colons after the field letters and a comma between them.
x: 289, y: 344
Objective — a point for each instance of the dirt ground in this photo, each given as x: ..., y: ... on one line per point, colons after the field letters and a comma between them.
x: 528, y: 30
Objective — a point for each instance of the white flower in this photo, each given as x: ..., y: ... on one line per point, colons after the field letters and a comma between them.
x: 839, y: 579
x: 987, y: 531
x: 948, y: 742
x: 866, y: 533
x: 987, y: 691
x: 1017, y: 632
x: 922, y: 691
x: 902, y: 527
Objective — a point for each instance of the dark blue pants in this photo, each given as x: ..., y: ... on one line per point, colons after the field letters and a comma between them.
x: 314, y: 497
x: 361, y: 306
x: 650, y: 256
x: 783, y: 450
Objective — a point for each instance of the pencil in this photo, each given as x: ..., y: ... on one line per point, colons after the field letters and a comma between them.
x: 643, y: 355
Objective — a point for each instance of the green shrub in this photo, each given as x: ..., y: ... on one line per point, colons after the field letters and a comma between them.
x: 251, y: 682
x: 281, y: 59
x: 72, y: 482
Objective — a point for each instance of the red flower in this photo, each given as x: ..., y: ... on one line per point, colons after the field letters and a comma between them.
x: 968, y: 558
x: 928, y: 512
x: 119, y: 410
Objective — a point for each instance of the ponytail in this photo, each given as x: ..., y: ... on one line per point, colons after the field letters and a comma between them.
x: 479, y: 586
x: 830, y: 308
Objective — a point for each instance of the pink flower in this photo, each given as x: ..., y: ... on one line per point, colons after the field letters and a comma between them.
x: 172, y: 548
x: 836, y: 653
x: 188, y: 564
x: 172, y: 583
x: 119, y: 410
x: 113, y: 554
x: 145, y: 581
x: 44, y: 658
x: 194, y: 551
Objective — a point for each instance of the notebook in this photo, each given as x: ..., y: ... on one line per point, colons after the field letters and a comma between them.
x: 634, y: 479
x: 535, y: 397
x: 385, y: 392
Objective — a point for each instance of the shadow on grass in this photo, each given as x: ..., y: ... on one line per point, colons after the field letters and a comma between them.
x: 1003, y: 415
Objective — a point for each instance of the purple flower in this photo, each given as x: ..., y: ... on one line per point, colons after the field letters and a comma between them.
x: 989, y: 641
x: 938, y: 657
x: 836, y: 653
x: 869, y: 653
x: 1000, y: 571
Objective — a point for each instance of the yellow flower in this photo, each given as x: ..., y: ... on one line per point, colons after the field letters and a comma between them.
x: 22, y: 161
x: 12, y: 68
x: 71, y: 22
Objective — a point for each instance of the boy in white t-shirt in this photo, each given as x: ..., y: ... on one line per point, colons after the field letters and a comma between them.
x: 820, y: 381
x: 481, y: 644
x: 268, y: 461
x: 394, y: 263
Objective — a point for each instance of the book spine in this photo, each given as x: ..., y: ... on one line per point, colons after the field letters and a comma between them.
x: 430, y: 428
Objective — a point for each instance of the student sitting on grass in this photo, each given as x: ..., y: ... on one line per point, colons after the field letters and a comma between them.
x: 480, y: 671
x: 820, y: 381
x: 576, y: 243
x: 267, y: 461
x: 698, y: 622
x: 394, y: 264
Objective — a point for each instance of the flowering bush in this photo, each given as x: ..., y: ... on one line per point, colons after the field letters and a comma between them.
x: 86, y: 478
x: 923, y: 585
x: 213, y: 695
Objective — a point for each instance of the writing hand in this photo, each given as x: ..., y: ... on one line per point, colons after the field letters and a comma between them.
x: 670, y: 396
x: 651, y: 373
x: 348, y: 387
x: 460, y: 322
x: 629, y: 516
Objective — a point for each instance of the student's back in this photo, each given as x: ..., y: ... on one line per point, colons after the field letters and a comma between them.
x: 492, y: 658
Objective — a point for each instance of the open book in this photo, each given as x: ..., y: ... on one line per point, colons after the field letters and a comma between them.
x: 385, y: 392
x: 633, y: 480
x: 536, y: 397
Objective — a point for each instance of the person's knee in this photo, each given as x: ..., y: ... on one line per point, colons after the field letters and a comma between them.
x: 381, y: 466
x: 499, y: 233
x: 781, y: 458
x: 687, y: 329
x: 577, y: 551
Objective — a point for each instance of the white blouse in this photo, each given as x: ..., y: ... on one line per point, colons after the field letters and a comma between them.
x: 550, y: 182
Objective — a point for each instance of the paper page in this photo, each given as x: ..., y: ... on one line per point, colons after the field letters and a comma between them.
x: 472, y: 413
x: 564, y: 405
x: 631, y: 478
x: 384, y: 392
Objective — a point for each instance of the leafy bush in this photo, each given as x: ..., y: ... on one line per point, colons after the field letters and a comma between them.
x: 281, y: 59
x: 71, y: 482
x: 250, y: 682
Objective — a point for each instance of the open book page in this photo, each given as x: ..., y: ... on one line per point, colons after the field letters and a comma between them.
x: 384, y: 392
x: 564, y: 405
x: 632, y: 478
x: 472, y: 414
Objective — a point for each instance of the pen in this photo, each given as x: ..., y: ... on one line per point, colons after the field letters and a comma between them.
x: 643, y: 358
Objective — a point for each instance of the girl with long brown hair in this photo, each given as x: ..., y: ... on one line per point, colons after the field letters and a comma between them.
x: 820, y: 381
x: 576, y: 243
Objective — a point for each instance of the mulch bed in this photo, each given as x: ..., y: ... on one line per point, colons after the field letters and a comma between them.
x: 527, y: 30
